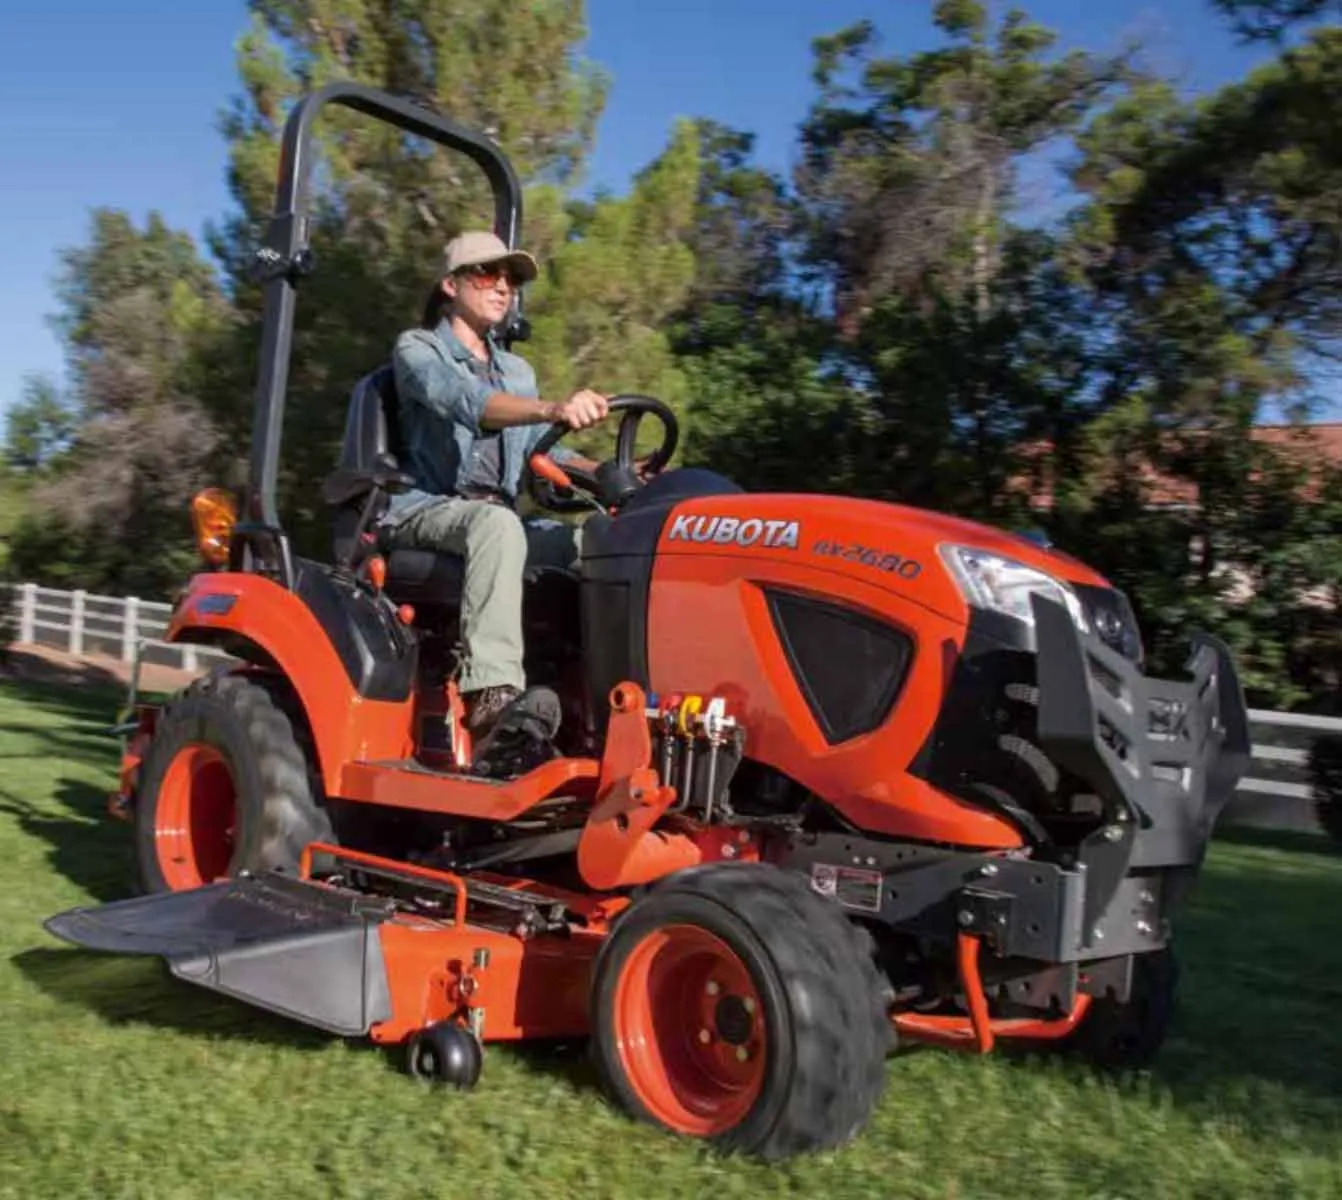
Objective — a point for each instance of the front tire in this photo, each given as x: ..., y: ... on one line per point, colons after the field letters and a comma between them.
x: 1127, y: 1035
x: 734, y: 1004
x: 225, y: 787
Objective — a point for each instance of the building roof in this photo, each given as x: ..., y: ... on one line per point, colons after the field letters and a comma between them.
x: 1317, y: 446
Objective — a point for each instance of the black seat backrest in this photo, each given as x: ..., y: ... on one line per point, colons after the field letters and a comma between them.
x: 372, y: 429
x: 371, y: 443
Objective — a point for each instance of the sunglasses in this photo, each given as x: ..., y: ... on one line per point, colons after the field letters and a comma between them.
x: 487, y: 275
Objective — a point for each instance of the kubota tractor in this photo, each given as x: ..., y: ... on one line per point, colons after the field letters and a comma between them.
x: 830, y: 773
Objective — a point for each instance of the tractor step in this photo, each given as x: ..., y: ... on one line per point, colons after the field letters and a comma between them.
x: 305, y: 951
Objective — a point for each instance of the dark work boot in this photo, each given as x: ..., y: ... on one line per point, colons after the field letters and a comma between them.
x: 522, y: 738
x: 484, y: 707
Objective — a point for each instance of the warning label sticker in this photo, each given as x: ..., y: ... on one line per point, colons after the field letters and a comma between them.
x: 852, y: 887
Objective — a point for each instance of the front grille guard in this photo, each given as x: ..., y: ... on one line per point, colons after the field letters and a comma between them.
x: 1164, y: 756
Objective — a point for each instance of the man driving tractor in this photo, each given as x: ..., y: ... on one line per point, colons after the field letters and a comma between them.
x: 470, y: 416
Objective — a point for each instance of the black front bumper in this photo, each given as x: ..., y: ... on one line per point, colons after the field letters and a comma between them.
x: 1163, y: 757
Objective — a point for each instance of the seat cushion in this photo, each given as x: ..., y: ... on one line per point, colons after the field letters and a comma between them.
x: 425, y: 578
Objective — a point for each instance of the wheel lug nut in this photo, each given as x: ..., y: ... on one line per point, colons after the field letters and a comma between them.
x: 742, y: 1054
x: 705, y: 1036
x: 748, y: 1004
x: 713, y: 987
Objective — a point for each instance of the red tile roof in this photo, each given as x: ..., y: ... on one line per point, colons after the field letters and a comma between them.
x: 1317, y: 446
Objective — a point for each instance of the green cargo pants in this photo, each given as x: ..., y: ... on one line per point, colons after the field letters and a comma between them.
x: 497, y: 546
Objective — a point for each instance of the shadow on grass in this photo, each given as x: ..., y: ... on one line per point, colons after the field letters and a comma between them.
x: 85, y: 844
x: 89, y: 745
x: 569, y: 1058
x: 92, y: 702
x: 138, y: 990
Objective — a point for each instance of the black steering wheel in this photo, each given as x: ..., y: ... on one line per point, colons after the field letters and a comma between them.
x: 616, y: 479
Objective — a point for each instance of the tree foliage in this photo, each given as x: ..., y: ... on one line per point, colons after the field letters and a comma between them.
x: 890, y: 320
x: 117, y: 460
x: 1271, y: 20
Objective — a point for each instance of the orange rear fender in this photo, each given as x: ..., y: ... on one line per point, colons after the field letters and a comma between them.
x: 345, y: 727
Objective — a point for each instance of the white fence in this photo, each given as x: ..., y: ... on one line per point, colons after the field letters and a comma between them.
x: 82, y: 623
x: 1276, y: 795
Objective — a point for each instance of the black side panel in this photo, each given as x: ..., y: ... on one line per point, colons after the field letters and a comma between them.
x: 997, y: 654
x: 378, y: 654
x: 849, y: 667
x: 618, y: 554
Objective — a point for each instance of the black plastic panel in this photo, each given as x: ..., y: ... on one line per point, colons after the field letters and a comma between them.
x: 378, y: 655
x: 849, y: 666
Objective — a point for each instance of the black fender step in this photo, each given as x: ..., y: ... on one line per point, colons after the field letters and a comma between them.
x: 299, y: 949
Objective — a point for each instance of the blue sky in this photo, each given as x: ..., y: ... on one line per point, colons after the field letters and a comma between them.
x: 116, y: 104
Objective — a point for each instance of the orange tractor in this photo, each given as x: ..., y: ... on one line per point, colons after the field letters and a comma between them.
x: 827, y: 774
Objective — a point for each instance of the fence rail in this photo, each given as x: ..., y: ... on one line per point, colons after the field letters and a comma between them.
x: 1276, y: 795
x: 81, y: 623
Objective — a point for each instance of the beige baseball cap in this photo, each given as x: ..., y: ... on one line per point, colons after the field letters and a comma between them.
x: 477, y: 246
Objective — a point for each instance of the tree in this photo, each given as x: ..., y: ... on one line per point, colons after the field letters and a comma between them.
x: 602, y: 303
x: 1210, y: 249
x: 906, y: 187
x: 39, y: 427
x: 137, y: 309
x: 743, y: 222
x: 908, y: 164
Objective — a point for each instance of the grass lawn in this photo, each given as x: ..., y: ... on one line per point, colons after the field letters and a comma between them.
x: 116, y: 1081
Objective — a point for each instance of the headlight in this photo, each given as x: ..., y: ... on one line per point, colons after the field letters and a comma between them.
x: 1004, y: 585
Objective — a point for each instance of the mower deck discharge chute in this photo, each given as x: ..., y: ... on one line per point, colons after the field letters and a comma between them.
x: 798, y: 776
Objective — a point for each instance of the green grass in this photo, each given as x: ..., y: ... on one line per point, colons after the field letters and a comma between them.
x: 116, y: 1081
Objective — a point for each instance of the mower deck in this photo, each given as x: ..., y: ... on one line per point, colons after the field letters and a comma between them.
x: 353, y: 963
x: 302, y: 951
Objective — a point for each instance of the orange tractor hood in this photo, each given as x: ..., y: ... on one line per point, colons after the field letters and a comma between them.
x: 889, y: 546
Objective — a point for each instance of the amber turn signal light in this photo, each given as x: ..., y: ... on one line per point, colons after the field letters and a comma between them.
x: 213, y: 514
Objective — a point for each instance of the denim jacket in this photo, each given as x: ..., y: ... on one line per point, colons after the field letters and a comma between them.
x: 441, y: 400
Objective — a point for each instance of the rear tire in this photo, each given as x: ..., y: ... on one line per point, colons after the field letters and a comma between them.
x: 734, y: 1004
x: 225, y: 787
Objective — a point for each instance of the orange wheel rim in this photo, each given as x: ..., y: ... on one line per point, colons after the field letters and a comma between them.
x: 196, y: 818
x: 689, y: 1029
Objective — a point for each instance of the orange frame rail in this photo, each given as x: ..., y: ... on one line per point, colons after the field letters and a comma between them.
x: 392, y: 866
x: 979, y: 1031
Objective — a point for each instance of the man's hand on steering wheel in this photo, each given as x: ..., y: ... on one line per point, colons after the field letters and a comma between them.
x: 607, y: 485
x: 582, y: 410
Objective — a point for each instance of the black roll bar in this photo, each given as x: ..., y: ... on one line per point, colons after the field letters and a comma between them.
x: 286, y: 257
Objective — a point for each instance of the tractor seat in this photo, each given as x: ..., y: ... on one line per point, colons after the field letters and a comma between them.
x: 424, y: 578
